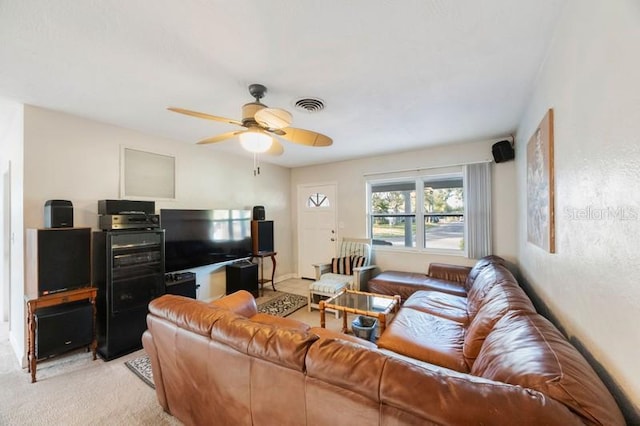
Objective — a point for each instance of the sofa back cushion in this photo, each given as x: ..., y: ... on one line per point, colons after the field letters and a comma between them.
x: 491, y: 275
x: 501, y: 298
x: 525, y: 349
x: 283, y: 346
x: 480, y: 265
x: 186, y: 313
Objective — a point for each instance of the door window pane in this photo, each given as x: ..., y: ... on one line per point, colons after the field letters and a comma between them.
x: 317, y: 200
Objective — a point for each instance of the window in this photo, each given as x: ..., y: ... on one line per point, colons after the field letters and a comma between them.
x: 393, y: 215
x: 431, y: 218
x: 446, y: 210
x: 444, y: 214
x: 317, y: 200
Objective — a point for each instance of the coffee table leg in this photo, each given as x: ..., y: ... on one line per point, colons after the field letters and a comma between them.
x: 322, y: 319
x: 382, y: 318
x: 344, y: 322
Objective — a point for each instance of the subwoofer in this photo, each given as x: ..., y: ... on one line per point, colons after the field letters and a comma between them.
x: 62, y: 328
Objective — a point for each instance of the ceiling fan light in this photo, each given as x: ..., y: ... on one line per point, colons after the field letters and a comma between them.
x: 255, y: 141
x: 273, y: 118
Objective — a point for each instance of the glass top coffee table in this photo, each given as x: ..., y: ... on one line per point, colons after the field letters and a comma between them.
x: 360, y: 303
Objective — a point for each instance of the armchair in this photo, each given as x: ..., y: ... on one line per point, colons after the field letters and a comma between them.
x: 352, y: 268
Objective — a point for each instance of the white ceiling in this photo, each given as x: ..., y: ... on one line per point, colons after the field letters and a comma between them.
x: 395, y: 76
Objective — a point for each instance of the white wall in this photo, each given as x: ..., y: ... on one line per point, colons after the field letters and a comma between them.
x: 11, y: 167
x: 72, y: 158
x: 590, y: 284
x: 351, y: 182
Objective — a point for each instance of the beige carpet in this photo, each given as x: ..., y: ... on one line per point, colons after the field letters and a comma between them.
x: 74, y: 390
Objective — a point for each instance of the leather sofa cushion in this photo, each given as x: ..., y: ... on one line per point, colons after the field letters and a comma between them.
x: 282, y: 322
x: 480, y: 265
x: 527, y: 350
x: 241, y: 302
x: 285, y: 347
x: 405, y: 284
x: 445, y: 271
x: 426, y: 337
x: 483, y: 283
x: 500, y: 299
x: 192, y: 315
x: 441, y: 396
x: 325, y: 333
x: 441, y: 304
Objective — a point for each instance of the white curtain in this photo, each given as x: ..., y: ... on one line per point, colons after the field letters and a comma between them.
x: 478, y: 217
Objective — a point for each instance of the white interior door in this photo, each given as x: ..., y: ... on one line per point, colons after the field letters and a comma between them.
x: 317, y: 238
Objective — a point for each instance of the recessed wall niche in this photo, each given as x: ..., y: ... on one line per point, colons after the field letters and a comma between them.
x: 147, y: 175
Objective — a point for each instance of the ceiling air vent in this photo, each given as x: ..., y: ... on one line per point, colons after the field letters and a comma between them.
x: 310, y: 104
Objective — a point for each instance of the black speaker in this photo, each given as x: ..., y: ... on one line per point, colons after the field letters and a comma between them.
x: 262, y: 236
x: 258, y: 213
x: 242, y: 276
x: 62, y: 328
x: 58, y: 259
x: 502, y: 151
x: 58, y: 214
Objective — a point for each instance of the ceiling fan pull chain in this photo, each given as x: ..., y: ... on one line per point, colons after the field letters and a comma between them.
x: 256, y: 165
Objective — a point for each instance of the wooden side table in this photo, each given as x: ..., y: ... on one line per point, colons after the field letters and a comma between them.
x: 56, y: 299
x: 260, y: 256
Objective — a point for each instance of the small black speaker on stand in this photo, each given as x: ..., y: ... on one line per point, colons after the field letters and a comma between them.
x: 58, y: 214
x: 258, y: 213
x: 502, y: 151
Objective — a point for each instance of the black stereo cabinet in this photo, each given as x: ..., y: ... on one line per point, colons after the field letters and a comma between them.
x: 128, y: 270
x: 242, y: 276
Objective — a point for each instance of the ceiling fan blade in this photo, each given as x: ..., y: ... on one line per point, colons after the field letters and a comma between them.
x: 205, y: 116
x: 276, y: 148
x: 273, y: 118
x: 305, y: 137
x: 220, y: 138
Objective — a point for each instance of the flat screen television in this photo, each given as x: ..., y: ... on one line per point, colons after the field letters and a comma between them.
x: 203, y: 237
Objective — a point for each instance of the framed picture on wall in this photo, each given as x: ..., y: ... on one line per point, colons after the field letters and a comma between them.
x: 147, y: 175
x: 540, y: 186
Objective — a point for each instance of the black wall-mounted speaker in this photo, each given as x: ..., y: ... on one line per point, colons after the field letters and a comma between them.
x: 502, y: 151
x: 58, y: 214
x: 258, y: 213
x: 262, y: 236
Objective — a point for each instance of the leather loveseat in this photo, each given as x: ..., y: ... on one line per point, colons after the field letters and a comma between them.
x: 224, y: 363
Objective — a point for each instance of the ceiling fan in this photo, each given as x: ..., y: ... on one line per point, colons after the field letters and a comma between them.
x: 261, y: 125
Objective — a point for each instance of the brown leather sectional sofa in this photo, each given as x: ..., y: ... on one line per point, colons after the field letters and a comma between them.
x: 483, y: 358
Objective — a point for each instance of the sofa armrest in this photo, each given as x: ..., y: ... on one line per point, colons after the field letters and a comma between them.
x: 445, y: 271
x: 361, y: 276
x: 321, y: 268
x: 150, y: 348
x: 241, y: 302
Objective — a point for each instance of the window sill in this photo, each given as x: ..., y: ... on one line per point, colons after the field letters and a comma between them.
x: 397, y: 249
